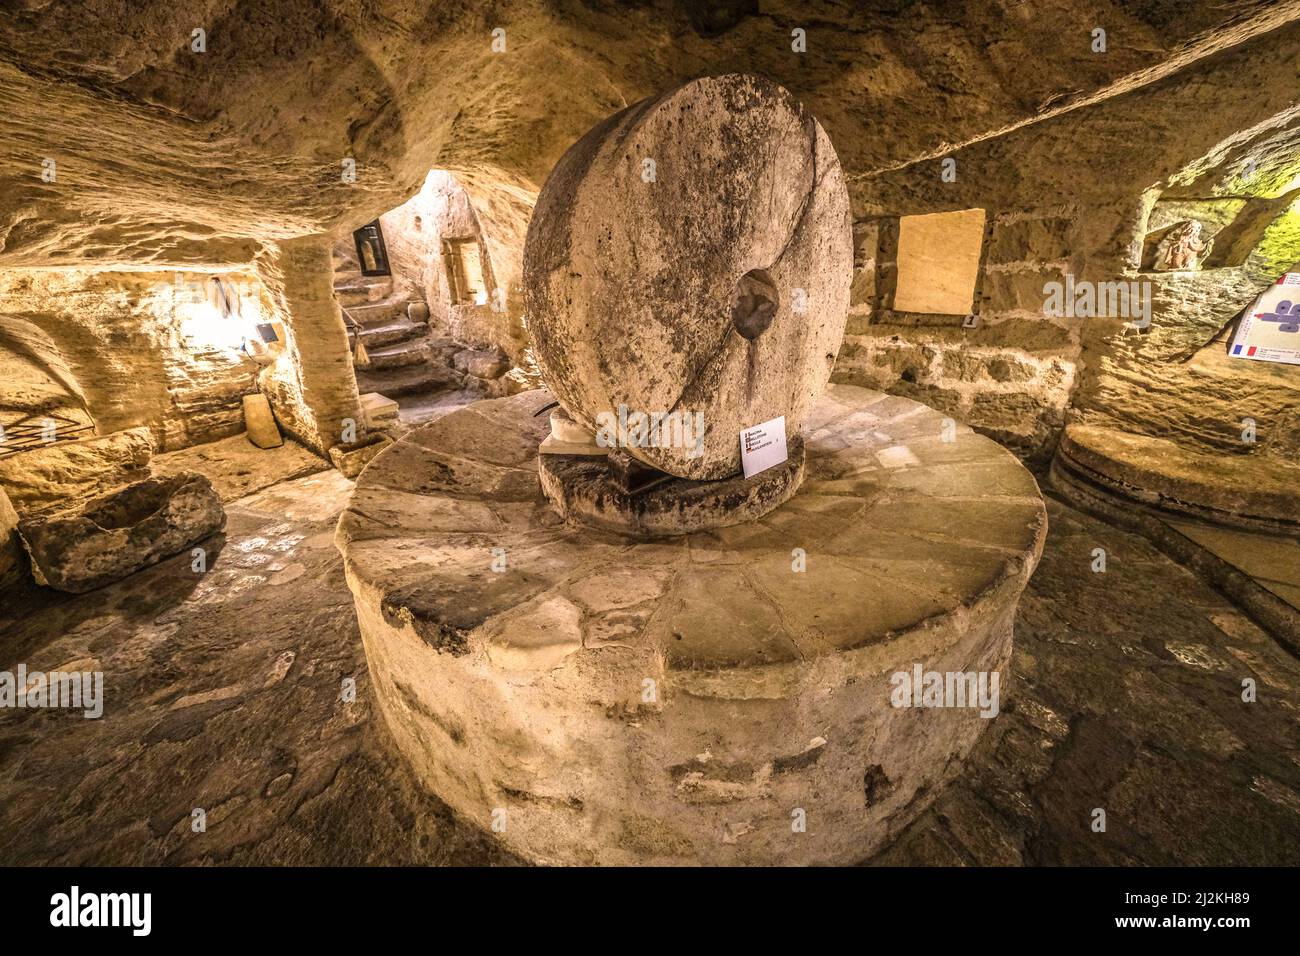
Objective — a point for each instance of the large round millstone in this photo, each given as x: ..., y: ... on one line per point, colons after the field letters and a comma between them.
x: 677, y: 701
x: 693, y: 253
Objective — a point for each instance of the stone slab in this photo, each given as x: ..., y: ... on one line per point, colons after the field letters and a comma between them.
x: 260, y: 423
x: 121, y: 532
x: 1245, y: 490
x: 379, y: 410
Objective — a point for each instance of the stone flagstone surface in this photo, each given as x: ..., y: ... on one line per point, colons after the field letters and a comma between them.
x: 1127, y: 696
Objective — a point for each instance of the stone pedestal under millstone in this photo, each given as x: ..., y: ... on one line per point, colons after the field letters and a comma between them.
x: 688, y: 700
x: 582, y: 490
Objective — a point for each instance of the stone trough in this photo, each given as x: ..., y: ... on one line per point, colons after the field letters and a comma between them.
x: 121, y: 532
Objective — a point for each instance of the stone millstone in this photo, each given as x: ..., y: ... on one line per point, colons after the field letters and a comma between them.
x: 582, y: 491
x: 511, y: 653
x: 122, y: 532
x: 721, y: 286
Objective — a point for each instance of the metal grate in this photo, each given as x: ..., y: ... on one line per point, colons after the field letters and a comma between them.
x: 34, y: 432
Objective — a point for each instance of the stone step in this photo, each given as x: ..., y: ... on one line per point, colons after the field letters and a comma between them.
x: 409, y: 380
x: 353, y: 289
x: 411, y: 352
x: 402, y: 330
x: 378, y: 313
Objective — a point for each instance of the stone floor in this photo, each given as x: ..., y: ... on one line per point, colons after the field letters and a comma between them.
x: 224, y: 693
x: 237, y: 467
x: 1273, y: 560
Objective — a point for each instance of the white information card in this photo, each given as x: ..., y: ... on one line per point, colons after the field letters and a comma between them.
x: 1270, y: 329
x: 763, y: 446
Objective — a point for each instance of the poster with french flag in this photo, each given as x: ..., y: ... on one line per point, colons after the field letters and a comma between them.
x: 1270, y: 329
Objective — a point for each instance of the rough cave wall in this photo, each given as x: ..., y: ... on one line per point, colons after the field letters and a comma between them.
x: 39, y: 384
x: 1069, y: 194
x: 444, y: 211
x: 166, y: 157
x: 126, y: 346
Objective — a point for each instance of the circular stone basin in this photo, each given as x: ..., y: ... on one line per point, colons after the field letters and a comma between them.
x: 726, y: 696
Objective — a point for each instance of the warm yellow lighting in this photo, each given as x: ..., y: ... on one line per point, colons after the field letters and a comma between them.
x: 203, y: 324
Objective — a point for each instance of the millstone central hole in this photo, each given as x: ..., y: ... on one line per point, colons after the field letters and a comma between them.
x: 754, y: 303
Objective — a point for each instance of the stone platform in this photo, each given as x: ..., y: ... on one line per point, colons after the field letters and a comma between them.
x: 591, y: 699
x: 1237, y: 490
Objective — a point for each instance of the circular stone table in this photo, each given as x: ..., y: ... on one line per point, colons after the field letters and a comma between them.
x: 594, y: 700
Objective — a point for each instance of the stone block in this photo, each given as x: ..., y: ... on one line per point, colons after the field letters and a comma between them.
x: 121, y: 532
x: 1018, y: 291
x: 378, y: 410
x: 1030, y: 240
x: 260, y: 423
x: 971, y: 366
x: 482, y: 363
x: 352, y: 460
x: 938, y: 261
x: 54, y: 477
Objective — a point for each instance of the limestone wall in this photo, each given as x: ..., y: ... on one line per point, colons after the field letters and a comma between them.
x: 493, y: 210
x: 120, y: 350
x: 1074, y: 194
x: 1011, y: 374
x: 311, y: 385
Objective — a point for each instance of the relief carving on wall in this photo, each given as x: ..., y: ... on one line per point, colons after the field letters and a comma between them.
x: 1183, y: 248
